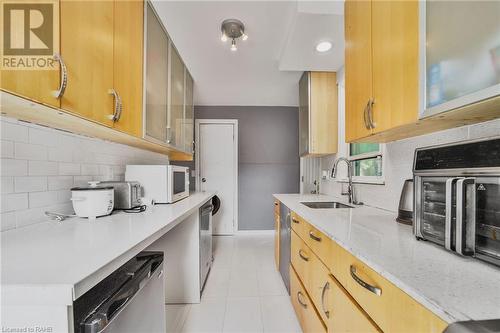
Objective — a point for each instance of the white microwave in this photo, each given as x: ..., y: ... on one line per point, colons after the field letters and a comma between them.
x: 161, y: 183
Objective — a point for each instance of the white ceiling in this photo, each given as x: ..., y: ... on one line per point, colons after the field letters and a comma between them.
x: 267, y: 67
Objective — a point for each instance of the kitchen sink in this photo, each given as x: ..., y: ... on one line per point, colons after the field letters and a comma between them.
x: 326, y: 205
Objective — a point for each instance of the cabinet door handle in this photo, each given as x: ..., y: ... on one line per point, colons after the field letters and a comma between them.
x: 365, y: 116
x: 377, y: 291
x: 314, y: 237
x: 305, y: 258
x: 323, y: 293
x: 64, y: 77
x: 370, y: 113
x: 299, y: 296
x: 295, y: 221
x: 117, y: 113
x: 169, y: 135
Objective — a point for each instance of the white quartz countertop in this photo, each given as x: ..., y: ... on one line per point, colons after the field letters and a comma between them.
x: 453, y: 287
x: 54, y: 259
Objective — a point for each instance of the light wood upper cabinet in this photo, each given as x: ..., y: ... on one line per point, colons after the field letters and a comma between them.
x: 318, y: 115
x: 128, y: 63
x: 358, y: 67
x: 394, y: 64
x: 36, y: 85
x: 176, y: 104
x: 87, y: 48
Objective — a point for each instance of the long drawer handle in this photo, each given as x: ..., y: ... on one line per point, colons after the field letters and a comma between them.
x: 299, y: 295
x: 295, y: 221
x: 323, y: 293
x: 64, y: 77
x: 305, y: 258
x: 313, y: 236
x: 377, y: 291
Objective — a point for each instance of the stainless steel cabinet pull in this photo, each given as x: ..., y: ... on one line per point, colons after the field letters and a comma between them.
x: 169, y: 135
x: 299, y: 295
x: 377, y: 291
x: 365, y: 116
x: 323, y: 293
x: 118, y: 106
x: 370, y: 113
x: 295, y: 221
x: 305, y: 258
x: 64, y: 77
x: 313, y: 236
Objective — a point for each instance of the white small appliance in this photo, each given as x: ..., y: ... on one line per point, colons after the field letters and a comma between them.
x: 93, y: 200
x: 161, y: 183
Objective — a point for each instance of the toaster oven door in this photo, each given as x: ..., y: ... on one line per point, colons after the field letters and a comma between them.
x: 487, y: 193
x: 436, y: 210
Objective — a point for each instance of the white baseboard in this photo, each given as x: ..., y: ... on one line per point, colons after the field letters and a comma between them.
x: 254, y: 232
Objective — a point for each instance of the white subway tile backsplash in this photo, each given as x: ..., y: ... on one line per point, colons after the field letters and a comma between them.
x: 7, y: 149
x: 60, y: 154
x: 14, y: 201
x: 14, y: 132
x: 11, y: 167
x: 42, y: 168
x: 26, y: 151
x: 30, y: 184
x: 69, y: 169
x: 59, y: 182
x: 7, y: 221
x: 39, y: 166
x: 41, y: 199
x: 7, y: 185
x: 481, y: 130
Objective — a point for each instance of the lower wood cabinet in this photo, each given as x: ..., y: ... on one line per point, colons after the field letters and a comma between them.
x: 347, y: 315
x: 303, y: 306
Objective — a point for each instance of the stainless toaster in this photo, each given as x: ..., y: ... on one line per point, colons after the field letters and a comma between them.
x: 127, y: 193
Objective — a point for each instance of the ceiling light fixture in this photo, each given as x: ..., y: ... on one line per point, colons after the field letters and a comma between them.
x: 323, y: 46
x: 232, y: 29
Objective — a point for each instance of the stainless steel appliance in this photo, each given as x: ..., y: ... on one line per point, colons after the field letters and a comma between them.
x: 127, y: 193
x: 285, y: 240
x: 405, y: 209
x: 131, y: 299
x: 206, y: 254
x: 161, y: 183
x: 457, y: 197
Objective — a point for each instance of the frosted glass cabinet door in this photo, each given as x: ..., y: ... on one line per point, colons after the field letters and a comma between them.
x: 189, y: 115
x: 304, y: 114
x: 156, y: 78
x: 462, y: 50
x: 176, y: 110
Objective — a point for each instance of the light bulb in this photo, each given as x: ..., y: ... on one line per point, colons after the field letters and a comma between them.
x: 323, y: 46
x: 244, y: 36
x: 223, y: 37
x: 233, y: 46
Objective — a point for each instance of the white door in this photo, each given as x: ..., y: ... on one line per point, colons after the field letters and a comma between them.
x: 218, y: 167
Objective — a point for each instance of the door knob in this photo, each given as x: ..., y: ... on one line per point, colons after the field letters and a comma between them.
x: 203, y: 180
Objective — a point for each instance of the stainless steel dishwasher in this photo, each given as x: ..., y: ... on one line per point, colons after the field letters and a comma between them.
x: 131, y: 299
x: 206, y: 254
x: 285, y: 240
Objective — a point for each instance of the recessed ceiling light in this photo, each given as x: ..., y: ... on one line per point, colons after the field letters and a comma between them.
x: 323, y: 46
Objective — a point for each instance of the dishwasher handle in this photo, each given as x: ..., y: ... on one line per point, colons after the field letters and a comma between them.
x: 101, y: 317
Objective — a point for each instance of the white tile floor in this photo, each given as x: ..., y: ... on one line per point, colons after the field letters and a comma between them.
x: 244, y: 292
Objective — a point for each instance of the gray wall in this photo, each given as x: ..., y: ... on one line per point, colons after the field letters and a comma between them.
x: 268, y: 160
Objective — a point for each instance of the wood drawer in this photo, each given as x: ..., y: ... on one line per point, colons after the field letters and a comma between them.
x: 314, y: 275
x: 302, y: 304
x: 347, y: 316
x: 315, y: 239
x: 389, y: 307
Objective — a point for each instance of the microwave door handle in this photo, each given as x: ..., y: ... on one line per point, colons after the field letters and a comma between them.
x: 462, y: 236
x: 448, y: 212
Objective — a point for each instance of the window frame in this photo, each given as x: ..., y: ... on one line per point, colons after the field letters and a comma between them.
x: 379, y: 180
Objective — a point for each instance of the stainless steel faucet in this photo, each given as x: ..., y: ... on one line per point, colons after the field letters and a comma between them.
x: 350, y: 189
